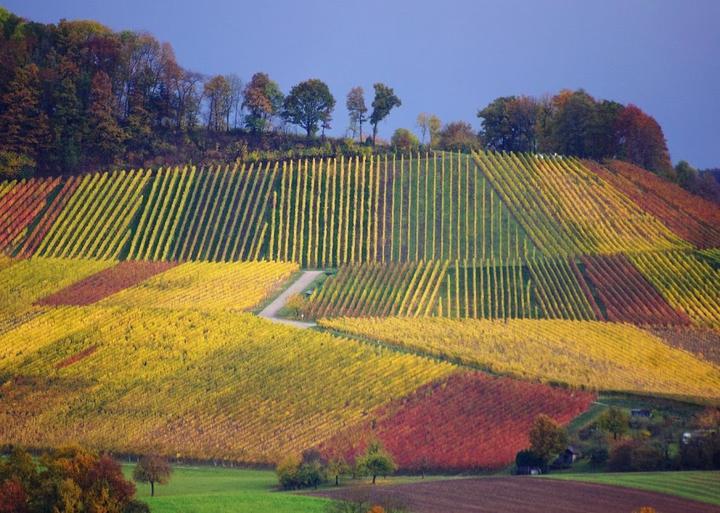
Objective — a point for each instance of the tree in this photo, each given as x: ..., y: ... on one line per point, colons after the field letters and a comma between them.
x: 375, y: 461
x: 23, y: 124
x: 385, y: 100
x: 236, y: 91
x: 404, y: 140
x: 686, y: 175
x: 547, y: 438
x: 187, y: 98
x: 357, y: 110
x: 309, y: 105
x: 458, y: 136
x: 604, y: 139
x: 105, y: 137
x: 434, y: 126
x: 508, y: 123
x: 337, y: 467
x: 642, y: 142
x: 422, y: 122
x: 569, y: 123
x: 615, y: 421
x: 262, y: 99
x: 219, y: 97
x: 69, y: 480
x: 152, y: 469
x: 66, y: 120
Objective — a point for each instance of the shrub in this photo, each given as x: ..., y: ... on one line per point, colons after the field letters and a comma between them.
x: 621, y: 458
x: 636, y: 456
x: 527, y: 458
x: 294, y: 473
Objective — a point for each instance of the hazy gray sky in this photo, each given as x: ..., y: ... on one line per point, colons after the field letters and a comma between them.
x: 450, y: 57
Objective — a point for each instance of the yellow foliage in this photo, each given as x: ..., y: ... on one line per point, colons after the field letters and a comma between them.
x: 27, y: 281
x: 234, y: 286
x: 203, y: 384
x: 686, y: 282
x: 596, y: 355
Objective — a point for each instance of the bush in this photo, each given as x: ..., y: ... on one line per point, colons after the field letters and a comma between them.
x: 294, y: 473
x: 527, y: 458
x: 404, y: 140
x: 598, y: 455
x: 287, y: 471
x: 636, y: 456
x: 647, y: 457
x: 136, y: 506
x: 621, y: 458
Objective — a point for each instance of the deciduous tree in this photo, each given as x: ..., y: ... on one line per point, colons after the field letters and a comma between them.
x: 385, y: 101
x: 357, y: 110
x: 458, y: 136
x: 375, y: 461
x: 615, y: 421
x: 23, y: 124
x: 404, y: 140
x: 262, y: 99
x: 152, y: 469
x: 309, y: 105
x: 641, y: 140
x: 218, y: 92
x: 547, y: 438
x: 105, y: 137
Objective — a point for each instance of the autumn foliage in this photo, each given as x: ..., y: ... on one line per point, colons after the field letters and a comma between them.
x: 469, y: 421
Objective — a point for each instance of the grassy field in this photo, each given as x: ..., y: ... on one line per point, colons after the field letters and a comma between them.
x: 697, y: 485
x: 223, y: 490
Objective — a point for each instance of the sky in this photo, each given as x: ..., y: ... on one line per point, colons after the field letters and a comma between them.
x: 450, y: 57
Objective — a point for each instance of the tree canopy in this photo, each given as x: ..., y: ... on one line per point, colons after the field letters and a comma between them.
x: 309, y: 105
x: 152, y: 469
x: 547, y: 438
x: 385, y: 101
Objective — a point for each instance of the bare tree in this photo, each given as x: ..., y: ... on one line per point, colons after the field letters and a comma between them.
x: 357, y: 109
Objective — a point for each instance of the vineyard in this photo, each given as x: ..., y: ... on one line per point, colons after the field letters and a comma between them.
x: 428, y: 429
x: 585, y: 354
x: 461, y: 296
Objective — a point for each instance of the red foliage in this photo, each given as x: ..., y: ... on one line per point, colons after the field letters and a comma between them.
x: 76, y: 357
x: 642, y: 140
x: 106, y: 473
x: 691, y: 217
x: 13, y: 498
x: 48, y: 218
x: 627, y: 296
x: 20, y: 207
x: 106, y: 282
x: 470, y: 421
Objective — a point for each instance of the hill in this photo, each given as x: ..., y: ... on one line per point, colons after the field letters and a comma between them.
x: 464, y: 294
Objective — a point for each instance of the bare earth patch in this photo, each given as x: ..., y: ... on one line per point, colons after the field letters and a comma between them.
x: 517, y: 495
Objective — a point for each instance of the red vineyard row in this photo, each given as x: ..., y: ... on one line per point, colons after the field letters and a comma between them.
x: 469, y: 421
x: 105, y: 283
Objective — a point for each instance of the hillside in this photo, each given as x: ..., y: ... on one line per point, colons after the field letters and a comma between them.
x: 465, y: 294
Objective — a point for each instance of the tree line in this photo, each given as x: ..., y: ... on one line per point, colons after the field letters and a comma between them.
x: 77, y: 96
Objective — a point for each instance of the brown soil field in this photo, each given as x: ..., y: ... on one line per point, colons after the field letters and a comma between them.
x: 516, y: 495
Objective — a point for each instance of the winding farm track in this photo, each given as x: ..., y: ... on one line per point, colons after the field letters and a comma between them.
x: 270, y: 311
x: 517, y: 495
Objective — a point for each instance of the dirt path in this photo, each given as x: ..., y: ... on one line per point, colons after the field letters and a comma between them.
x: 517, y: 495
x: 270, y: 311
